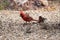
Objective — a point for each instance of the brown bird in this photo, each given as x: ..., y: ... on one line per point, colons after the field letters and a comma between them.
x: 41, y: 19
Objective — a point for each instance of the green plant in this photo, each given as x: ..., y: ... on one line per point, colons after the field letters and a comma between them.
x: 1, y: 7
x: 4, y: 4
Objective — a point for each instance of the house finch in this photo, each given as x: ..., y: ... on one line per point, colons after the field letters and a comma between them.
x: 26, y: 17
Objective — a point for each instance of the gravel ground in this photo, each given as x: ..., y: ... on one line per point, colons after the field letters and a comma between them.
x: 12, y: 28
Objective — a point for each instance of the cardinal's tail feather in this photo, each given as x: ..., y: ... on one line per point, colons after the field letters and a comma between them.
x: 35, y: 20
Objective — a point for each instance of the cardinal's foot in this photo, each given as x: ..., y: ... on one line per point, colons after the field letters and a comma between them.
x: 25, y: 24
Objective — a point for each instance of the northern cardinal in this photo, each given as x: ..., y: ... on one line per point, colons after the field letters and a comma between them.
x: 26, y: 17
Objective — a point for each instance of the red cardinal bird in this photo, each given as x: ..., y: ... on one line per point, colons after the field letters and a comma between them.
x: 26, y: 17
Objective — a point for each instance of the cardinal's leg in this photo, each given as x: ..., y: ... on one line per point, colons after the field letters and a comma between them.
x: 25, y: 23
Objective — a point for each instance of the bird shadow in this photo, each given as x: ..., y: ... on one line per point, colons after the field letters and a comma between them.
x: 47, y: 26
x: 26, y: 27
